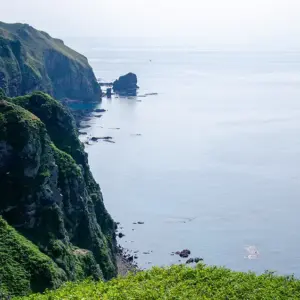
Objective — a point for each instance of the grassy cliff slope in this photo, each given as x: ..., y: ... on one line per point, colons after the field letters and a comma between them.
x: 23, y: 267
x: 32, y: 60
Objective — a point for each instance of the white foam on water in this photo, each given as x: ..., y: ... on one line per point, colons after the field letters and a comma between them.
x: 252, y: 251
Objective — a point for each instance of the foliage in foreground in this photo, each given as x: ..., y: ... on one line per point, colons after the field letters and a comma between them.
x: 181, y: 282
x: 23, y: 268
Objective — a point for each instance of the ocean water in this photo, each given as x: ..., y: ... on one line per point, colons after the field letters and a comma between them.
x: 216, y: 167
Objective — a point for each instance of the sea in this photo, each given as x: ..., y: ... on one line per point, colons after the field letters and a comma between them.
x: 210, y: 162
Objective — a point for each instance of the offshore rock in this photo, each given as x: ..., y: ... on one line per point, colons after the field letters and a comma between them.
x: 126, y: 85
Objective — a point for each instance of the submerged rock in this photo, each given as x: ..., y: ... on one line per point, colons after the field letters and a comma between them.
x: 82, y: 126
x: 148, y: 94
x: 99, y: 110
x: 109, y: 141
x: 95, y: 139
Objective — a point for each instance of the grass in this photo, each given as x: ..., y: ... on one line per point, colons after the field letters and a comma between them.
x: 181, y: 282
x: 18, y: 125
x: 67, y: 165
x: 39, y: 39
x: 23, y: 268
x: 58, y: 120
x: 32, y: 60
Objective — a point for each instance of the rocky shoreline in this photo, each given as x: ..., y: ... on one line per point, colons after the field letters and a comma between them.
x: 126, y: 259
x: 125, y: 263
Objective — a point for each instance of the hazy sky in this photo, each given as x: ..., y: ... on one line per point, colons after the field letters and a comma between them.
x: 211, y: 21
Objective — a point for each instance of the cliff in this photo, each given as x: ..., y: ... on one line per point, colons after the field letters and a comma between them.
x: 32, y: 60
x: 49, y: 195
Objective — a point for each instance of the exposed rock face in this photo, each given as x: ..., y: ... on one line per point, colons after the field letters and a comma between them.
x: 31, y: 60
x: 70, y: 79
x: 48, y: 192
x: 126, y: 85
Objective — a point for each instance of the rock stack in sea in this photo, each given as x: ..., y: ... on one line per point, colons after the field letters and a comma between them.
x: 126, y: 85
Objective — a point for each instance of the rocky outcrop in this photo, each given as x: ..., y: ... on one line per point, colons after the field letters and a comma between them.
x: 48, y: 192
x: 32, y: 60
x: 108, y: 93
x: 126, y: 85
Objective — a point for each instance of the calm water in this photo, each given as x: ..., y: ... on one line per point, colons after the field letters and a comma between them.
x: 217, y: 166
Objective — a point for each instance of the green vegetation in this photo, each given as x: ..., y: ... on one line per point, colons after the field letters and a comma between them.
x: 23, y: 268
x: 181, y: 282
x: 32, y: 60
x: 2, y: 94
x: 59, y: 122
x: 67, y: 166
x: 77, y: 263
x: 69, y: 155
x: 34, y: 37
x: 18, y: 126
x: 50, y: 196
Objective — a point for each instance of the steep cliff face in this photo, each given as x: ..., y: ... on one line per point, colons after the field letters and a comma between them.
x: 48, y: 192
x: 32, y: 60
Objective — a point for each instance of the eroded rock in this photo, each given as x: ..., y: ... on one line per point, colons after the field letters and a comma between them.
x: 190, y: 261
x: 184, y: 253
x: 126, y: 85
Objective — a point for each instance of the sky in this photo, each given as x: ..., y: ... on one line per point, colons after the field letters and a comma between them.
x: 240, y: 22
